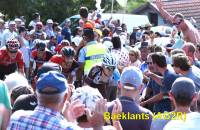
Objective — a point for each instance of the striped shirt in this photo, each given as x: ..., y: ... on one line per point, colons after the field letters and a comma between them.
x: 41, y: 118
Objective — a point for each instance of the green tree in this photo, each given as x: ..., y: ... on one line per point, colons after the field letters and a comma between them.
x: 58, y: 10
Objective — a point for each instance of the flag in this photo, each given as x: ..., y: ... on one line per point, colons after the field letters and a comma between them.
x: 122, y: 3
x: 98, y: 4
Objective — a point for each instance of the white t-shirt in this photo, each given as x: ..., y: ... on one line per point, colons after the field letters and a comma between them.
x: 191, y: 123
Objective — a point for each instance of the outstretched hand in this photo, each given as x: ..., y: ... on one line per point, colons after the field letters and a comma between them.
x: 74, y: 110
x: 97, y: 118
x: 117, y: 109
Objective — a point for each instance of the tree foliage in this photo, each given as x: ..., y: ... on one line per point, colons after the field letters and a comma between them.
x: 55, y: 9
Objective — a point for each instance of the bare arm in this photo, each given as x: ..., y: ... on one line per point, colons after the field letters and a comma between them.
x: 155, y: 77
x: 154, y: 99
x: 6, y: 117
x: 163, y: 12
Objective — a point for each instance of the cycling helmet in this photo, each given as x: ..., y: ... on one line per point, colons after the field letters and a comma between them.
x: 41, y: 45
x: 35, y: 42
x: 87, y: 96
x: 68, y: 51
x: 12, y: 44
x: 109, y: 60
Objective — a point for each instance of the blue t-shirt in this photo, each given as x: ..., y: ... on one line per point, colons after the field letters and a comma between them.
x: 67, y: 34
x: 162, y: 105
x: 168, y: 79
x: 194, y: 74
x: 144, y: 67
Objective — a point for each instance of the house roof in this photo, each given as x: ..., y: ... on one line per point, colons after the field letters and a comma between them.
x: 189, y: 8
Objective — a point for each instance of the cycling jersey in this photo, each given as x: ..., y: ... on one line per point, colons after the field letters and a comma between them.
x: 105, y: 86
x: 59, y: 47
x: 66, y: 71
x: 9, y: 65
x: 39, y: 61
x: 6, y: 60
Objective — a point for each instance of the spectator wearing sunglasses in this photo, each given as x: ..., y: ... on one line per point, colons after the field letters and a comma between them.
x: 165, y: 81
x: 190, y: 33
x: 11, y: 58
x: 153, y: 89
x: 102, y: 77
x: 134, y: 57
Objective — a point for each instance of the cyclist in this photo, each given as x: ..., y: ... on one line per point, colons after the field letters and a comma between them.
x: 104, y: 77
x: 39, y: 55
x: 11, y: 58
x: 67, y: 62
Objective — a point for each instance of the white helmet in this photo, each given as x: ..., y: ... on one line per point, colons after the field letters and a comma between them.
x: 87, y: 95
x: 109, y: 60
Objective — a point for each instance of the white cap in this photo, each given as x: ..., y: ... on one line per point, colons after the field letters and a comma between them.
x: 12, y: 22
x: 49, y: 21
x: 76, y: 40
x: 1, y: 20
x: 18, y: 20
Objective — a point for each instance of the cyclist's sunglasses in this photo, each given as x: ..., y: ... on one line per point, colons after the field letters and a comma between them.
x: 110, y: 68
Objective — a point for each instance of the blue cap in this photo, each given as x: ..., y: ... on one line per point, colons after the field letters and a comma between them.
x: 131, y: 77
x: 54, y: 80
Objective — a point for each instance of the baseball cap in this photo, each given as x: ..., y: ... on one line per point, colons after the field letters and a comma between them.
x: 18, y: 20
x: 144, y: 45
x: 169, y: 46
x: 12, y: 23
x: 183, y: 86
x: 119, y: 28
x: 1, y: 20
x: 131, y: 78
x: 49, y: 66
x: 51, y: 82
x: 49, y: 21
x: 148, y: 25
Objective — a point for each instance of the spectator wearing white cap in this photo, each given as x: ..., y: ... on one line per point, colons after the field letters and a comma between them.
x: 49, y: 28
x: 9, y: 33
x: 18, y: 22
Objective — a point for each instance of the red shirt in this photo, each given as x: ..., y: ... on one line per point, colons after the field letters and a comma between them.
x: 6, y: 60
x: 57, y: 59
x: 39, y: 61
x: 59, y: 47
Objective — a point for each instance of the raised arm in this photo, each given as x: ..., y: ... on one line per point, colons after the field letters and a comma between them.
x: 163, y: 12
